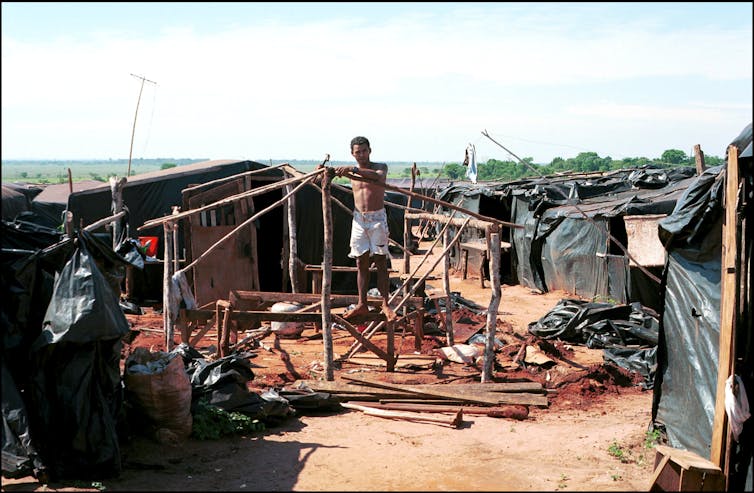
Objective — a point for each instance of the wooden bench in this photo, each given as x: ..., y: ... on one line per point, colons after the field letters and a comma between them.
x: 482, y: 247
x: 682, y: 470
x: 249, y: 309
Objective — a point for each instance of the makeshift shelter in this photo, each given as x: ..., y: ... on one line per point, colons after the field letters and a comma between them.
x: 706, y: 334
x: 156, y: 194
x: 14, y: 203
x: 575, y: 226
x: 49, y: 204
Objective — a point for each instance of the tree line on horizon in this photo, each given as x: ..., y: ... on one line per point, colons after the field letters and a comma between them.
x: 49, y: 171
x: 585, y: 162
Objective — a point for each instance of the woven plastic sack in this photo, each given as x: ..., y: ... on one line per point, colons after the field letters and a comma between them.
x: 159, y: 391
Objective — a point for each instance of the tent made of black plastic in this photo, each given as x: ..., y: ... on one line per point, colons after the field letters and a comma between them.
x: 152, y: 195
x: 573, y: 235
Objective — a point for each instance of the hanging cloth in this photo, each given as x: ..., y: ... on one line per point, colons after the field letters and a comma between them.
x: 470, y: 163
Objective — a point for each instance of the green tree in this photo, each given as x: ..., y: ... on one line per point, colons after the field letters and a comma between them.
x: 168, y: 165
x: 454, y: 171
x: 674, y: 156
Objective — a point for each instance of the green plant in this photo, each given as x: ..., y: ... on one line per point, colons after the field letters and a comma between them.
x: 211, y: 422
x: 617, y: 451
x: 562, y: 482
x: 652, y: 438
x: 617, y: 477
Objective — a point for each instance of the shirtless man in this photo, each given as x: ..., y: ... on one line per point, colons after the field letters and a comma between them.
x: 369, y: 230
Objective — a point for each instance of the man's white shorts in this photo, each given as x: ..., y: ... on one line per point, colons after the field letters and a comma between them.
x: 369, y: 233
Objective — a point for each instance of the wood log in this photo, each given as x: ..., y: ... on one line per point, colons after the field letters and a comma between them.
x: 512, y: 411
x: 453, y: 422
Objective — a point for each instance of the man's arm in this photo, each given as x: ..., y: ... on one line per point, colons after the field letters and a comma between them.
x: 377, y: 173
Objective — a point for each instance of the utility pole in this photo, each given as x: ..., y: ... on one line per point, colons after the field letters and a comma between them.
x: 133, y: 130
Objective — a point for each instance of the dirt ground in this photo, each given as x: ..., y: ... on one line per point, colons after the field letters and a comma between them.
x: 591, y: 436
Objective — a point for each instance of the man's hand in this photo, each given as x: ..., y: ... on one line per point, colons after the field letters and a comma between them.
x: 344, y: 170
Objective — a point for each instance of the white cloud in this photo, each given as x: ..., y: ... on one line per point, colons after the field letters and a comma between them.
x: 419, y: 78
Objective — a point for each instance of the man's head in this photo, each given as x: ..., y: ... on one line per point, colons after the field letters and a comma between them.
x: 360, y: 149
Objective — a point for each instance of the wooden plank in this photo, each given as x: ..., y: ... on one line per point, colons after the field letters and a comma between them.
x: 534, y: 387
x: 489, y: 398
x: 727, y: 309
x: 344, y: 388
x: 514, y: 412
x: 257, y: 316
x: 687, y: 459
x: 336, y: 300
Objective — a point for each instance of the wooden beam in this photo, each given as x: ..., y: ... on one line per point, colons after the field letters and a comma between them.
x: 727, y: 309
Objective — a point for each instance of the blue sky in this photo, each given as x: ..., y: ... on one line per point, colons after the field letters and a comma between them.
x: 421, y: 80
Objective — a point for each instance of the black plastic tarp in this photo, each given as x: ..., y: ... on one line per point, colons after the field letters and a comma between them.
x: 628, y: 334
x: 690, y: 326
x: 151, y: 195
x: 64, y: 360
x: 688, y: 349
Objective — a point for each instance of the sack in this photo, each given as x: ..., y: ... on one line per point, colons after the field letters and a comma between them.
x: 159, y: 390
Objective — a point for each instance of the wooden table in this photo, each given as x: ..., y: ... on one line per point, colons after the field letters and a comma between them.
x: 482, y: 247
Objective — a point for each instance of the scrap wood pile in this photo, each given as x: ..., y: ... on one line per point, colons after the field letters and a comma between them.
x: 421, y: 402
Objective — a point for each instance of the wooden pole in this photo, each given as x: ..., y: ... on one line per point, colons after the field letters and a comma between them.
x: 699, y: 159
x: 116, y: 191
x: 407, y: 227
x: 70, y: 181
x: 474, y: 223
x: 447, y: 205
x: 327, y: 276
x: 136, y: 113
x: 728, y: 304
x: 176, y: 256
x: 292, y: 241
x: 489, y: 353
x: 167, y: 318
x: 448, y: 318
x: 104, y: 221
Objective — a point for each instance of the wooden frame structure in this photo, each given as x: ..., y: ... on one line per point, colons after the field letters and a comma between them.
x: 175, y: 286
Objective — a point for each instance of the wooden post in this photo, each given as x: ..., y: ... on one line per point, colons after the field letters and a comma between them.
x: 176, y: 266
x: 489, y: 353
x: 327, y: 276
x: 699, y: 158
x: 407, y: 227
x: 69, y: 224
x: 292, y: 241
x: 167, y: 284
x: 116, y: 190
x: 448, y: 318
x: 728, y: 303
